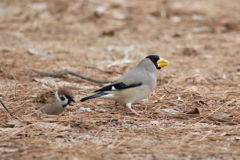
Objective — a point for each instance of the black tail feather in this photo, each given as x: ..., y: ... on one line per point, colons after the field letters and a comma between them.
x: 94, y: 96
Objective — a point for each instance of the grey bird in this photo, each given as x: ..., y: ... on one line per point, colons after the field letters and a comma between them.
x: 55, y: 102
x: 134, y: 85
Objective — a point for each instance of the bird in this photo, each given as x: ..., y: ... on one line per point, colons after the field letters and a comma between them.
x: 55, y: 102
x: 134, y: 85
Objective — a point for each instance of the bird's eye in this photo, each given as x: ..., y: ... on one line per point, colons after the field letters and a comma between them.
x: 62, y: 97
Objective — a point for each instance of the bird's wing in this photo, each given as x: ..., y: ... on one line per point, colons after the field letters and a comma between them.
x: 133, y: 78
x: 118, y: 86
x: 46, y: 98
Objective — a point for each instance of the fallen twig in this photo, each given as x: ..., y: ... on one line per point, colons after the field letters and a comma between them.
x: 209, y: 115
x: 223, y: 120
x: 166, y: 89
x: 60, y: 74
x: 5, y: 107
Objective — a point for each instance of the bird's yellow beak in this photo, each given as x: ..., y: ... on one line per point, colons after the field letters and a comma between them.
x: 162, y: 62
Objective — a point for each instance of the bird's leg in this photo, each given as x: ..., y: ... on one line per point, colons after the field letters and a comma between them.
x: 130, y: 108
x: 115, y: 106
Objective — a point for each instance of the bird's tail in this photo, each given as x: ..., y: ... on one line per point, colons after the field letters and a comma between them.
x: 94, y: 96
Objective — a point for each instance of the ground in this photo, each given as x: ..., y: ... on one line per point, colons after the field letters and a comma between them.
x: 193, y: 112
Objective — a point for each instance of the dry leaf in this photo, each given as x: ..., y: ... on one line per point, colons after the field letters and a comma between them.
x: 194, y: 111
x: 48, y: 81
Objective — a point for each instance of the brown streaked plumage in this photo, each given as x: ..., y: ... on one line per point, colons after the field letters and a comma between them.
x: 55, y: 102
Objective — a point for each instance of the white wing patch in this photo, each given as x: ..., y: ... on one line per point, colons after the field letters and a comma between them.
x: 113, y: 88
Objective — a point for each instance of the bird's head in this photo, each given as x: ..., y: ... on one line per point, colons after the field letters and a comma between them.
x: 158, y: 61
x: 65, y: 92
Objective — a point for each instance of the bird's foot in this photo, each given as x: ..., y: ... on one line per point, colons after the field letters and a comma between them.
x: 128, y: 105
x: 135, y: 112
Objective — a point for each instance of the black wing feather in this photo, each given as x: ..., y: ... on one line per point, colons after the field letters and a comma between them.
x: 118, y: 86
x: 93, y: 96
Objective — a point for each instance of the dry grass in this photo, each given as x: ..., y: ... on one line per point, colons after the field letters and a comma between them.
x: 103, y: 40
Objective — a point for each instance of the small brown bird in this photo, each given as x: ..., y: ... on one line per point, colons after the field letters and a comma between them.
x: 55, y: 102
x: 134, y: 85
